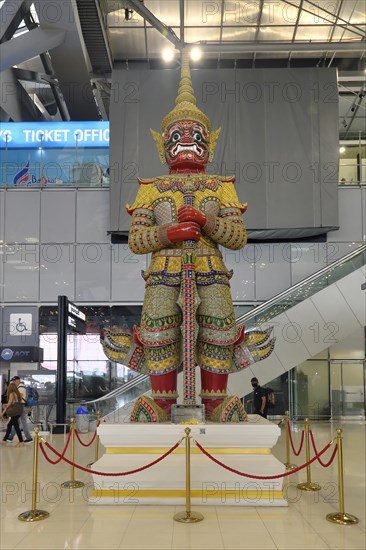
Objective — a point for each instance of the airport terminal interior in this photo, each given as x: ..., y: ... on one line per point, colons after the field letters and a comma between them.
x: 274, y: 95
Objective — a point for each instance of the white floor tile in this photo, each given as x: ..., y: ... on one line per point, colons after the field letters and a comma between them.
x: 75, y: 524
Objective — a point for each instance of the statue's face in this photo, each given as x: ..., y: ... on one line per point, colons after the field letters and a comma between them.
x: 186, y: 145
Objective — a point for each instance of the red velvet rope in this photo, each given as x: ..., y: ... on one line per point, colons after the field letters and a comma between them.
x: 292, y: 443
x: 82, y: 442
x: 280, y: 422
x: 108, y: 473
x: 324, y: 464
x: 262, y: 477
x: 63, y: 452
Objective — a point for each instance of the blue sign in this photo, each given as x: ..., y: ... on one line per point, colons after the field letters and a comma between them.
x: 7, y: 354
x: 22, y: 135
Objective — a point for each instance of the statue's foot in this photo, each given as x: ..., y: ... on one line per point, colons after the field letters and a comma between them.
x: 146, y: 410
x: 230, y: 410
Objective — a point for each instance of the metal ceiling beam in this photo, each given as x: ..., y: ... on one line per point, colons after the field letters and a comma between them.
x: 167, y: 32
x: 11, y: 15
x: 47, y: 65
x: 354, y: 109
x: 240, y: 47
x: 32, y: 76
x: 181, y: 14
x: 297, y: 20
x: 15, y: 101
x: 70, y: 61
x: 338, y: 18
x: 29, y: 45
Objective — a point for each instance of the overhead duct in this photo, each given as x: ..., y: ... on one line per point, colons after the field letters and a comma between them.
x: 268, y: 47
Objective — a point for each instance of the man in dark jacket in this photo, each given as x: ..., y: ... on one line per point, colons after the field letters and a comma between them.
x: 259, y: 398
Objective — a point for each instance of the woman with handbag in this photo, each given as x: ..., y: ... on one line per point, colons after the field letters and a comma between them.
x: 13, y: 410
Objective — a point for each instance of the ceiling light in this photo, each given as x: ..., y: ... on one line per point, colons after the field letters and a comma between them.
x: 196, y: 54
x: 168, y: 55
x: 342, y: 149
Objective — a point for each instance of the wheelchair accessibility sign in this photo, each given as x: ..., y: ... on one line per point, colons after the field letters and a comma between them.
x: 20, y: 324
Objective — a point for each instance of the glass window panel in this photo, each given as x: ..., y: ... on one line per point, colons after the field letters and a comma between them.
x: 272, y: 34
x: 205, y: 13
x: 202, y: 33
x: 279, y: 13
x: 314, y: 33
x: 350, y: 34
x: 117, y: 18
x: 353, y: 389
x: 316, y: 13
x: 168, y: 12
x: 311, y: 390
x: 128, y: 43
x: 240, y: 12
x: 354, y: 9
x: 243, y: 33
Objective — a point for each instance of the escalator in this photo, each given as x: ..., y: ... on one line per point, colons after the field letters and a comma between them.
x: 309, y: 317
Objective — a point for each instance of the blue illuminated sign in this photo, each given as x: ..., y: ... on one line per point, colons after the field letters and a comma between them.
x: 21, y: 135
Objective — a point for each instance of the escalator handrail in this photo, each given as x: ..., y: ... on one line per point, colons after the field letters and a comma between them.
x: 327, y: 269
x: 116, y: 392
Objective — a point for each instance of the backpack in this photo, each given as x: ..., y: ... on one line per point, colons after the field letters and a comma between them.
x: 32, y: 396
x: 270, y: 396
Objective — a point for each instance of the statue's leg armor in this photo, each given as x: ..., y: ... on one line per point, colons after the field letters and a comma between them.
x: 160, y: 335
x: 164, y: 390
x: 215, y: 348
x: 213, y: 390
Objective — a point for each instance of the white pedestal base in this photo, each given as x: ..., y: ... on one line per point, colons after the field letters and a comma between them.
x: 244, y: 447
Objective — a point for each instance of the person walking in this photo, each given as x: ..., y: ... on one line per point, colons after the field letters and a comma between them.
x: 259, y: 398
x: 23, y: 417
x: 14, y: 400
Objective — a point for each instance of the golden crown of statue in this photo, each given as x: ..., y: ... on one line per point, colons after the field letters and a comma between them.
x: 185, y: 103
x: 185, y: 109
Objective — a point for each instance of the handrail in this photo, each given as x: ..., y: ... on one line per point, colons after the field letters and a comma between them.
x: 117, y: 391
x: 262, y: 307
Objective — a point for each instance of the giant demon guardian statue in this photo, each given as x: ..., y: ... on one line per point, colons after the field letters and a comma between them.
x: 188, y: 315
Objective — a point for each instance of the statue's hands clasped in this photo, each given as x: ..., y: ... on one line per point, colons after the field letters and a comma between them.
x: 185, y: 231
x: 187, y: 213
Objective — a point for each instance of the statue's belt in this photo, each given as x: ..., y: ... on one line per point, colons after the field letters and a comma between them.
x: 199, y: 251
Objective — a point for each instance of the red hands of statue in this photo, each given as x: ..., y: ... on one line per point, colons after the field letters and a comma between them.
x: 186, y: 231
x: 187, y: 213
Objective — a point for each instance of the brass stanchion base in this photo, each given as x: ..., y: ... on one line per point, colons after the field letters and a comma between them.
x: 72, y: 484
x: 343, y: 519
x: 33, y: 515
x: 290, y: 466
x: 308, y: 486
x: 188, y: 517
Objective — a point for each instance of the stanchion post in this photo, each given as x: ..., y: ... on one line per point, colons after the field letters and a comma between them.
x: 188, y: 516
x: 34, y: 514
x: 72, y: 484
x: 341, y: 517
x: 308, y: 485
x: 288, y: 464
x: 96, y: 444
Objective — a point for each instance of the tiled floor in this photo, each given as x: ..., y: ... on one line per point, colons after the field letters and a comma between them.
x: 75, y: 524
